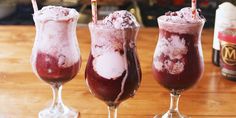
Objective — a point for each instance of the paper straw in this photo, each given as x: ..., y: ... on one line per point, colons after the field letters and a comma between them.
x: 94, y: 10
x: 35, y: 6
x: 194, y: 8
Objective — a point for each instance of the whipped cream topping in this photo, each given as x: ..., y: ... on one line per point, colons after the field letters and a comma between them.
x: 121, y: 20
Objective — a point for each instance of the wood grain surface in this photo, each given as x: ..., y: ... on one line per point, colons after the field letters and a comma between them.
x: 22, y: 95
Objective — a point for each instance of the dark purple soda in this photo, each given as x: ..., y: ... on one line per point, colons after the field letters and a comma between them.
x: 108, y: 90
x: 48, y: 69
x: 193, y: 63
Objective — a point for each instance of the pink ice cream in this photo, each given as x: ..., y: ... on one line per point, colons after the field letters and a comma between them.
x: 175, y: 49
x: 109, y: 43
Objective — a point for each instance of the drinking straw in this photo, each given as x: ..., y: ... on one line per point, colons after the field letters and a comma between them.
x: 194, y: 8
x: 94, y: 10
x: 35, y: 6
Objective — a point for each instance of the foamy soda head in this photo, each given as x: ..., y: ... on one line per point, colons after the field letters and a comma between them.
x: 182, y: 21
x: 56, y: 34
x: 183, y: 16
x: 172, y: 46
x: 110, y: 39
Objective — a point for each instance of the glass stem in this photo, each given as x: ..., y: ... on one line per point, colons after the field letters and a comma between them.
x: 57, y: 105
x: 112, y: 111
x: 174, y: 102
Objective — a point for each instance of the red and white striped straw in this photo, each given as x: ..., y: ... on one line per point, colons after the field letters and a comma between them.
x: 194, y: 8
x: 94, y: 10
x: 35, y: 6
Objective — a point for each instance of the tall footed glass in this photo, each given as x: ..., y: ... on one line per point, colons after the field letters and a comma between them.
x: 113, y: 73
x: 55, y: 55
x: 178, y: 59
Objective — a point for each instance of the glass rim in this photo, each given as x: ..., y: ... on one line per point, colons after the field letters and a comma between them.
x: 104, y: 27
x: 159, y: 19
x: 73, y: 14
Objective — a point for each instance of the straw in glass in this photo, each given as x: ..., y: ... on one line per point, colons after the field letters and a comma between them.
x: 194, y: 8
x: 94, y: 10
x: 35, y: 6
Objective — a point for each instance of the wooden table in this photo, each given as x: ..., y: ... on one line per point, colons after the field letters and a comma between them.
x: 22, y: 95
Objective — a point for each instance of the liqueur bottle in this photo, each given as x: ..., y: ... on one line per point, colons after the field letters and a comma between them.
x: 225, y: 18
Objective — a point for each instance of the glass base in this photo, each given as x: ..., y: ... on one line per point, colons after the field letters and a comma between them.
x: 171, y: 115
x: 66, y: 113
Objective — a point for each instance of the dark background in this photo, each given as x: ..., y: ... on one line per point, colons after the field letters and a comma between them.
x: 147, y: 10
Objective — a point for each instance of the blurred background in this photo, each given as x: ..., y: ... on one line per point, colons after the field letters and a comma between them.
x: 19, y: 12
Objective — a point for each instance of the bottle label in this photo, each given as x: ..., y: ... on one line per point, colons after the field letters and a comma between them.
x: 228, y: 53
